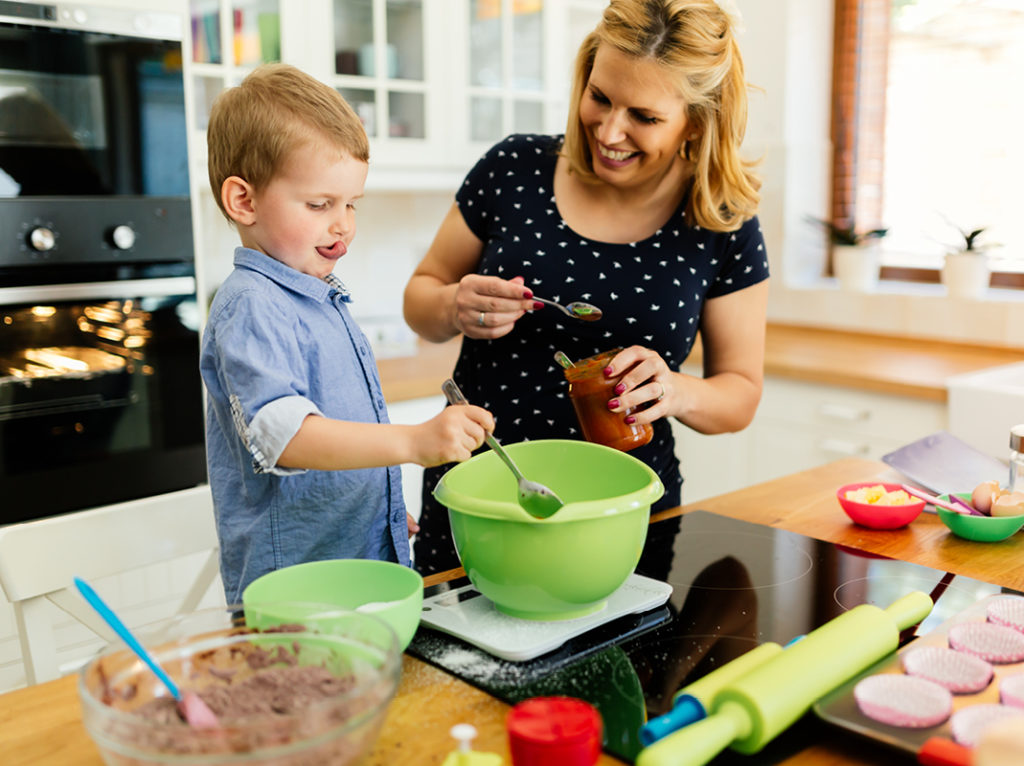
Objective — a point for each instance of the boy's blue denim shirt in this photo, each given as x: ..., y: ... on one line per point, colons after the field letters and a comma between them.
x: 279, y: 346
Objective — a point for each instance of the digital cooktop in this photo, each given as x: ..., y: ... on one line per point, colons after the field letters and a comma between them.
x: 734, y: 585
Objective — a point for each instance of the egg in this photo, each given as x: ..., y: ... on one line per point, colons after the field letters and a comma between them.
x: 1010, y: 504
x: 984, y: 494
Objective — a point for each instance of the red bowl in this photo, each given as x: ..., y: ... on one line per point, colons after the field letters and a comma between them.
x: 878, y: 516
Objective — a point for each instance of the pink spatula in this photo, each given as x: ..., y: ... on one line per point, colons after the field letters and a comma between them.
x: 191, y: 706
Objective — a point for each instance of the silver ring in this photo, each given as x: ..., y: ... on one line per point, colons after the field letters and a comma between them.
x: 481, y: 320
x: 662, y: 394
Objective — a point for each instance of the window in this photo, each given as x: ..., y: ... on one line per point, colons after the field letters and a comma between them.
x: 926, y: 129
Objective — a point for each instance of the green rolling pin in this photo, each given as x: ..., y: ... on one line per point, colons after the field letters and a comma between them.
x: 754, y: 708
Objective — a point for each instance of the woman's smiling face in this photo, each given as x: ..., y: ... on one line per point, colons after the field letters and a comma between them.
x: 633, y: 117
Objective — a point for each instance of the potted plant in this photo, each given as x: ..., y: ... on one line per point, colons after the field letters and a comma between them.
x: 965, y: 269
x: 855, y: 258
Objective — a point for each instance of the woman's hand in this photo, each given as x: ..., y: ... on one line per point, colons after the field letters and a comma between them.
x: 488, y: 307
x: 646, y: 384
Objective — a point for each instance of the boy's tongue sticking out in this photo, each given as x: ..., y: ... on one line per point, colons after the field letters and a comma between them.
x: 336, y: 250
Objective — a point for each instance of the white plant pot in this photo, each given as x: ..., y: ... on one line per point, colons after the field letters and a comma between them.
x: 966, y: 275
x: 856, y: 267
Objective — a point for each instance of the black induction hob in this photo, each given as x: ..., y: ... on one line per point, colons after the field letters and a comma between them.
x: 735, y: 585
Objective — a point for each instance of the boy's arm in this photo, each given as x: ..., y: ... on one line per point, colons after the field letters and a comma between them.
x: 326, y: 444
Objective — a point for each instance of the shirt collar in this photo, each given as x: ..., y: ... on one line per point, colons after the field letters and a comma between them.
x: 286, y: 276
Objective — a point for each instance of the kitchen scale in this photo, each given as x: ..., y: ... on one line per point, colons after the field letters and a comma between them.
x: 734, y: 585
x: 467, y: 614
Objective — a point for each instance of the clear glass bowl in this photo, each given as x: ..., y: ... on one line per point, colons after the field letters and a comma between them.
x: 213, y: 649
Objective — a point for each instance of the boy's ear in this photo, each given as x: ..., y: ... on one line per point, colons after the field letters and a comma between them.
x: 236, y: 194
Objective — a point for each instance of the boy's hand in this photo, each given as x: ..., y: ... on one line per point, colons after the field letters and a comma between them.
x: 411, y: 524
x: 452, y: 435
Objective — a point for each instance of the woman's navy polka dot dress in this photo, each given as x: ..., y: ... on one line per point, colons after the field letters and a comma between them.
x: 651, y: 293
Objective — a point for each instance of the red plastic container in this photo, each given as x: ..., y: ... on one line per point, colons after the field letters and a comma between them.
x: 554, y: 731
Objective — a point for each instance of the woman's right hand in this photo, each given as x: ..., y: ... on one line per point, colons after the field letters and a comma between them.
x: 488, y: 307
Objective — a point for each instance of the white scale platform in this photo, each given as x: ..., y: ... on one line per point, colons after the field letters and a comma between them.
x: 468, y: 615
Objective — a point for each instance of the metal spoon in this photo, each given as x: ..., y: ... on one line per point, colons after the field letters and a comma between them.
x: 534, y: 498
x: 190, y: 704
x: 577, y: 309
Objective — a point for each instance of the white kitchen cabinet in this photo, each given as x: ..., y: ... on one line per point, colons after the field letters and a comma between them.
x: 435, y: 83
x: 798, y: 426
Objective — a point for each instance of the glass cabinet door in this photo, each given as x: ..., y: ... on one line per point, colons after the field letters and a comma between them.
x: 379, y: 44
x: 506, y: 68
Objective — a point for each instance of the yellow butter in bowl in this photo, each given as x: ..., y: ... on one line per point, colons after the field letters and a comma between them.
x: 877, y: 495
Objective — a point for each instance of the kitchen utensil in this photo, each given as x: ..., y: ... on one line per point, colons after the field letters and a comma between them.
x: 559, y: 568
x: 577, y: 309
x: 981, y: 528
x: 536, y: 499
x: 190, y: 704
x: 931, y: 745
x: 943, y: 463
x: 388, y: 591
x: 752, y: 710
x: 563, y: 359
x: 939, y: 502
x: 222, y: 648
x: 875, y: 515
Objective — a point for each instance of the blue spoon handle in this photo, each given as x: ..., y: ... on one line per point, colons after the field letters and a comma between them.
x: 121, y: 629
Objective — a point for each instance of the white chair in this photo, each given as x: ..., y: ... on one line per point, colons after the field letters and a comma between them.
x: 39, y: 559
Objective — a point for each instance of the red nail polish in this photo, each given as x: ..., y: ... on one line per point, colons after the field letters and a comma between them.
x: 538, y: 305
x: 613, y: 403
x: 527, y: 294
x: 608, y: 371
x: 630, y: 420
x: 620, y: 387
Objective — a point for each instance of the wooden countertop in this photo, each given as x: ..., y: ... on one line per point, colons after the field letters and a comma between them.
x: 884, y: 363
x: 41, y: 725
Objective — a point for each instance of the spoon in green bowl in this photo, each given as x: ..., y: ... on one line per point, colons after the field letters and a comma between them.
x: 191, y: 706
x: 534, y: 498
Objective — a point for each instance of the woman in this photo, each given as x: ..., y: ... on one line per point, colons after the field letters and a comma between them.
x: 645, y: 209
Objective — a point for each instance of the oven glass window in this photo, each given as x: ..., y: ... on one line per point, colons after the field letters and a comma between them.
x: 99, y: 399
x: 84, y: 113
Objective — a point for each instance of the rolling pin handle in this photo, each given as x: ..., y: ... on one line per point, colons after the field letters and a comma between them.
x: 700, y: 742
x: 909, y: 610
x: 687, y: 710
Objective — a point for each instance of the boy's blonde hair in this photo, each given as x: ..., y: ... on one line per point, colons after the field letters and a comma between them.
x: 276, y: 108
x: 694, y: 43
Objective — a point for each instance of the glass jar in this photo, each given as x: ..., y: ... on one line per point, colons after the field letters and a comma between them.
x: 590, y: 391
x: 1017, y: 459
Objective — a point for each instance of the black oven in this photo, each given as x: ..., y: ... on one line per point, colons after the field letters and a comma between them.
x: 100, y: 395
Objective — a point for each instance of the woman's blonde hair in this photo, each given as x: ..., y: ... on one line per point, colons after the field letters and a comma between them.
x: 694, y: 42
x: 275, y: 109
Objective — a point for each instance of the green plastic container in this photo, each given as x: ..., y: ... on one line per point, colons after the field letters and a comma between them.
x: 564, y: 566
x: 980, y: 529
x: 388, y: 591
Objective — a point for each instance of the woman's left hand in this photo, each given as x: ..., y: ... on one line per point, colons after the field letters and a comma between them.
x: 646, y: 383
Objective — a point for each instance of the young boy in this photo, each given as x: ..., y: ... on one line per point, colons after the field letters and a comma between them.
x: 301, y: 456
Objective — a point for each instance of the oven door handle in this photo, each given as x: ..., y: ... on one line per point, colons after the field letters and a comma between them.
x: 88, y: 291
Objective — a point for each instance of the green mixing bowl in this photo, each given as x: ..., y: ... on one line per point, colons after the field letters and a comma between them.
x: 564, y: 566
x: 981, y: 529
x: 391, y: 592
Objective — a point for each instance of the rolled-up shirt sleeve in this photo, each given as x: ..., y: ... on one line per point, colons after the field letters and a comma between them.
x: 259, y: 369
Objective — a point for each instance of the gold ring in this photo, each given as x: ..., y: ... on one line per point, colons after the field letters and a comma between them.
x: 662, y: 394
x: 480, y: 320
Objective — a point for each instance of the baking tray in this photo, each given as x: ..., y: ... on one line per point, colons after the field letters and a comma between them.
x: 839, y: 707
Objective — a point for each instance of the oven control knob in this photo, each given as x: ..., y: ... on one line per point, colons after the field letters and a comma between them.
x: 122, y: 237
x: 42, y: 239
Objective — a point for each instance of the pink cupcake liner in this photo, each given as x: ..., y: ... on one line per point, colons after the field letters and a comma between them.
x: 991, y: 642
x: 905, y: 701
x: 970, y: 723
x: 1008, y: 611
x: 959, y: 672
x: 1011, y: 690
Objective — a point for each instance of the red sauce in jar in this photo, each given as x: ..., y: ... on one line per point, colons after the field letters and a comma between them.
x: 590, y: 391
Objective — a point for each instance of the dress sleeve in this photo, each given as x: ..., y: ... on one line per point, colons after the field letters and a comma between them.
x: 261, y: 371
x: 744, y: 260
